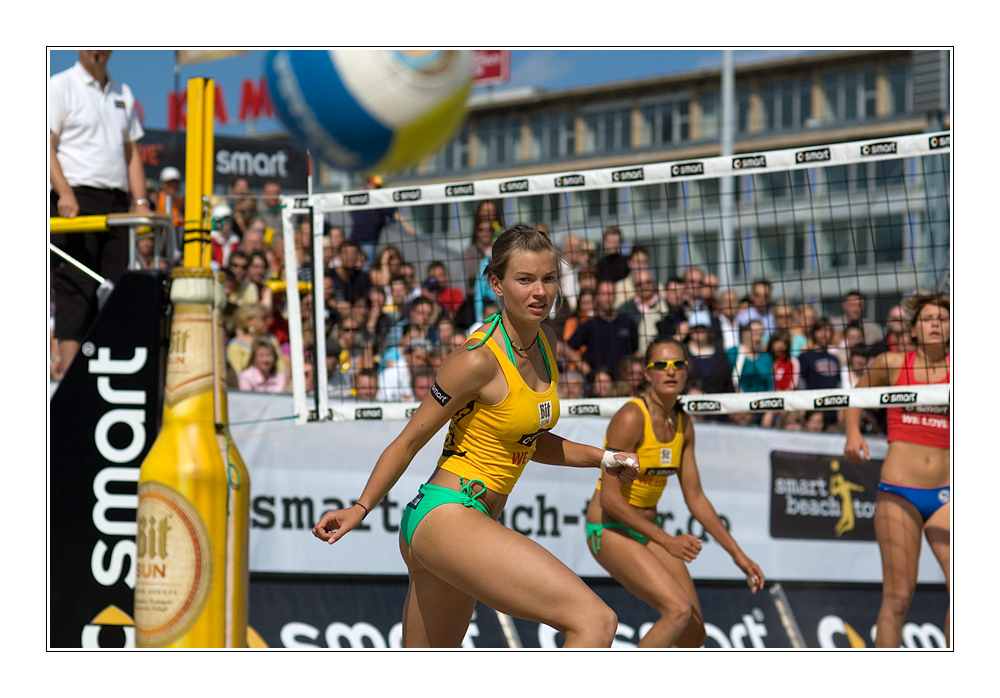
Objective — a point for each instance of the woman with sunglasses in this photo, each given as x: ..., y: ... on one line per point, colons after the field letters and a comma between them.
x: 623, y: 533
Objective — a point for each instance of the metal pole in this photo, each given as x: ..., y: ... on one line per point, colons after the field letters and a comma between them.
x: 726, y: 183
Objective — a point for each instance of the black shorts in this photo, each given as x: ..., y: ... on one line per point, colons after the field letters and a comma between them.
x: 74, y: 292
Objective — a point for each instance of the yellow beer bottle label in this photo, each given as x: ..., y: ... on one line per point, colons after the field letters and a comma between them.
x: 189, y: 360
x: 174, y: 566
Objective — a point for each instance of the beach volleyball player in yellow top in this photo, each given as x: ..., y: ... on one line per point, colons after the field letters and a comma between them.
x: 499, y: 392
x: 622, y: 531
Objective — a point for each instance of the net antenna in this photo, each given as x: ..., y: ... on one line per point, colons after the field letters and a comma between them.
x: 816, y: 220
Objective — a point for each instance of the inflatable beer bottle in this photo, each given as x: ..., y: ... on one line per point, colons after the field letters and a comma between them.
x: 238, y: 492
x: 185, y: 589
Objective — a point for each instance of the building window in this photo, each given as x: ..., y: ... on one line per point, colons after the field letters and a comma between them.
x: 665, y: 123
x: 608, y: 130
x: 553, y: 136
x: 499, y: 142
x: 849, y: 96
x: 900, y: 94
x: 710, y: 125
x: 786, y: 105
x: 454, y: 156
x: 742, y: 110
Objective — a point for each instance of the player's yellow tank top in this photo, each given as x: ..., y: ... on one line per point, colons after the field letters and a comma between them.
x: 657, y: 460
x: 494, y: 442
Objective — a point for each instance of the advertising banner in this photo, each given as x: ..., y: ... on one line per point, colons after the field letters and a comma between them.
x: 779, y: 493
x: 302, y: 612
x: 104, y: 417
x: 257, y: 159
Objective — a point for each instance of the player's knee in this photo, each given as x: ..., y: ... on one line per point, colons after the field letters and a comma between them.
x: 896, y: 600
x: 603, y: 622
x: 679, y: 613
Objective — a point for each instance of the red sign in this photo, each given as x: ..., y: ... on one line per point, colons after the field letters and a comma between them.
x: 492, y: 67
x: 255, y: 103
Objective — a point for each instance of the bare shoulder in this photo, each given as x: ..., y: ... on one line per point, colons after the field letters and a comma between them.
x: 550, y: 337
x: 885, y: 368
x: 467, y: 370
x: 627, y: 426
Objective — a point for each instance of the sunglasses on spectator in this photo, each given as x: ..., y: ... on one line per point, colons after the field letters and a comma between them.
x: 676, y: 364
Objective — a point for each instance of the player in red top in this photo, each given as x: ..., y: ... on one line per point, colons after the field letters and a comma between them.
x: 915, y: 483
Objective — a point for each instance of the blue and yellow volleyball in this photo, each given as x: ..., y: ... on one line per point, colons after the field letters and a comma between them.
x: 370, y: 110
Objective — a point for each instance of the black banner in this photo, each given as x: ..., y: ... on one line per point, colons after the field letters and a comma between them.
x: 822, y: 497
x: 258, y: 160
x: 841, y: 616
x: 104, y: 417
x: 306, y: 612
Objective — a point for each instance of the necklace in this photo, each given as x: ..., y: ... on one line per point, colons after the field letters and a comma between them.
x: 517, y: 346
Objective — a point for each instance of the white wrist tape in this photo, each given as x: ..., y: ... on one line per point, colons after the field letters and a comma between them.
x: 609, y: 460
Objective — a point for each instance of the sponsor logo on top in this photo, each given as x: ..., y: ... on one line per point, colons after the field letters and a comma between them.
x: 572, y: 180
x: 406, y: 195
x: 631, y: 175
x: 515, y: 185
x: 898, y: 398
x: 748, y: 162
x: 832, y: 401
x: 884, y: 148
x: 581, y: 410
x: 768, y: 403
x: 702, y: 406
x: 355, y: 199
x: 368, y: 413
x: 460, y: 189
x: 815, y: 155
x: 940, y: 141
x: 687, y: 169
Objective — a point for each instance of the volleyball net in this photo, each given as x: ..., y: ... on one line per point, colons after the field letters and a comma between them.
x: 796, y: 234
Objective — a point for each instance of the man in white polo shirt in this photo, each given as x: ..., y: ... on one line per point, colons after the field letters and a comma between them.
x: 94, y: 168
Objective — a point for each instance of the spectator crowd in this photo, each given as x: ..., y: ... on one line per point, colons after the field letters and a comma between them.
x: 391, y: 321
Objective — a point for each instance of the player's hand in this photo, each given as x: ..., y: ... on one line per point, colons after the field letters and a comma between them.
x: 623, y: 465
x: 684, y: 547
x: 755, y: 577
x: 856, y: 448
x: 334, y: 525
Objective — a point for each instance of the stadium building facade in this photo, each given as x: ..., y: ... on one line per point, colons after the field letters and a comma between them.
x: 808, y: 99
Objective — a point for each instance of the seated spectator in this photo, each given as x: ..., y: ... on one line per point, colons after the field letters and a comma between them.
x: 631, y: 376
x: 792, y: 420
x: 819, y: 367
x: 856, y: 366
x: 365, y: 385
x: 571, y: 385
x: 377, y: 323
x: 421, y: 380
x: 613, y: 264
x: 262, y: 374
x: 224, y: 240
x: 349, y: 282
x: 674, y: 321
x: 709, y: 364
x: 758, y: 307
x: 257, y: 275
x: 253, y: 236
x: 395, y: 379
x: 853, y: 307
x: 753, y: 370
x: 784, y: 319
x: 419, y: 320
x: 584, y: 311
x: 245, y: 291
x: 728, y: 307
x: 646, y: 307
x: 249, y: 324
x: 601, y: 341
x: 388, y: 264
x: 601, y: 384
x: 786, y: 368
x: 449, y: 296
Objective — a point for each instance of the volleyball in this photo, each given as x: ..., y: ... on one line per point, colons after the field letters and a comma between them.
x: 370, y: 110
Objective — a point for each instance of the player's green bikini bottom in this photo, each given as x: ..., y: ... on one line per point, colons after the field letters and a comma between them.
x: 431, y: 496
x: 594, y: 531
